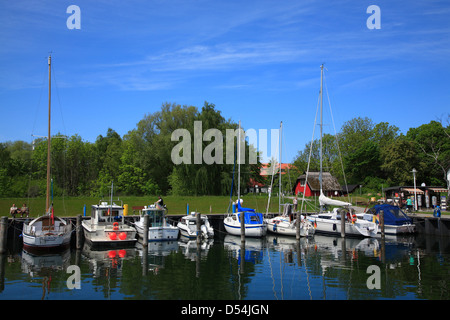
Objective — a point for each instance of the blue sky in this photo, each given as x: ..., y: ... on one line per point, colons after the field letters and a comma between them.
x: 257, y: 61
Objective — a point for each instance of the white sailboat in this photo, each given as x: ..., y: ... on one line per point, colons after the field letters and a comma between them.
x: 47, y: 231
x: 285, y: 223
x: 254, y: 224
x: 330, y: 222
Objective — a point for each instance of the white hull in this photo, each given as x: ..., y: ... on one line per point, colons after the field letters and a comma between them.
x: 188, y: 227
x: 233, y: 226
x: 162, y: 233
x: 46, y: 232
x: 281, y: 225
x: 46, y: 241
x: 102, y: 234
x: 391, y: 229
x: 333, y: 226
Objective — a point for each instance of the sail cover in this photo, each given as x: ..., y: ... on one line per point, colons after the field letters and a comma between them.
x: 323, y: 200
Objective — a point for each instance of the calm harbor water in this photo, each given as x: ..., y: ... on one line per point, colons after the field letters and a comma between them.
x: 272, y: 268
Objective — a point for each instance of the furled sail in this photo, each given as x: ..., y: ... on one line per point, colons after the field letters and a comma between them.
x: 331, y: 202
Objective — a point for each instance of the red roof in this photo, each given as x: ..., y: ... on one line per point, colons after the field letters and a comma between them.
x: 266, y: 169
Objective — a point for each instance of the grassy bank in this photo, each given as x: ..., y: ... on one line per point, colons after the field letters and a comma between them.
x: 72, y: 206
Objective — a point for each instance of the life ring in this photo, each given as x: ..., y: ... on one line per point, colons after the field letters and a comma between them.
x: 115, y: 226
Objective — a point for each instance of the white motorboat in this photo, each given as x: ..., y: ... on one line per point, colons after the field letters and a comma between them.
x: 47, y: 231
x: 188, y: 226
x: 158, y: 227
x: 395, y: 220
x: 107, y: 227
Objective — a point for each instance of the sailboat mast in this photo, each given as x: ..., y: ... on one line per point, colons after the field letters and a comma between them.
x: 321, y: 130
x: 239, y: 162
x: 47, y: 200
x: 279, y: 177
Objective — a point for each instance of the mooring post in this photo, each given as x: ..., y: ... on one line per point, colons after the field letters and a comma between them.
x: 3, y: 234
x: 382, y: 223
x: 297, y: 226
x: 342, y: 223
x: 79, y: 233
x: 145, y: 237
x: 199, y: 225
x: 383, y: 249
x: 242, y: 215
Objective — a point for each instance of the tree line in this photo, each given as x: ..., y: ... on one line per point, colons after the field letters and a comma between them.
x: 377, y: 155
x: 139, y: 163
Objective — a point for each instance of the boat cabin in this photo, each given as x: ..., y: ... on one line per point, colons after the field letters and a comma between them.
x: 156, y: 216
x: 104, y: 212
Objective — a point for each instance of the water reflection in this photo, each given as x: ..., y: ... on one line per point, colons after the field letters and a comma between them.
x: 274, y: 267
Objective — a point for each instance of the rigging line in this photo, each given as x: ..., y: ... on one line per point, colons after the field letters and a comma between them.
x: 309, y: 157
x: 337, y: 142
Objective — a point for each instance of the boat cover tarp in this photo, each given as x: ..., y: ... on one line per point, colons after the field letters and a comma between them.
x: 393, y: 215
x: 241, y: 209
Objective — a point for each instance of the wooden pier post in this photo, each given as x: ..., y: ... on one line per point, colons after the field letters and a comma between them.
x: 199, y: 226
x: 383, y: 243
x: 79, y: 233
x: 3, y: 234
x: 242, y: 215
x: 342, y: 223
x: 145, y: 236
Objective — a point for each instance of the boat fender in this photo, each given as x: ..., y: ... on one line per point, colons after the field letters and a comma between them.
x: 274, y: 227
x: 334, y: 227
x: 112, y: 235
x: 122, y: 235
x: 115, y: 226
x: 204, y: 231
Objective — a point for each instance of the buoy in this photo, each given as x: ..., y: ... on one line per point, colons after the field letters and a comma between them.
x: 112, y: 235
x: 122, y: 235
x: 115, y: 226
x: 112, y: 254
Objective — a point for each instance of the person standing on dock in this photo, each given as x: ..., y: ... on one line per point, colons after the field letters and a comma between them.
x: 160, y: 201
x: 409, y: 204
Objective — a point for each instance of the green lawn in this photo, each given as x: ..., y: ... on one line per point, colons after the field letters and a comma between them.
x: 72, y: 206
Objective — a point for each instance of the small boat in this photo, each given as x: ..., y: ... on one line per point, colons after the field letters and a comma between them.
x: 254, y: 223
x: 286, y: 224
x: 107, y: 227
x: 158, y: 227
x: 188, y: 226
x: 330, y: 222
x: 395, y: 220
x: 47, y: 231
